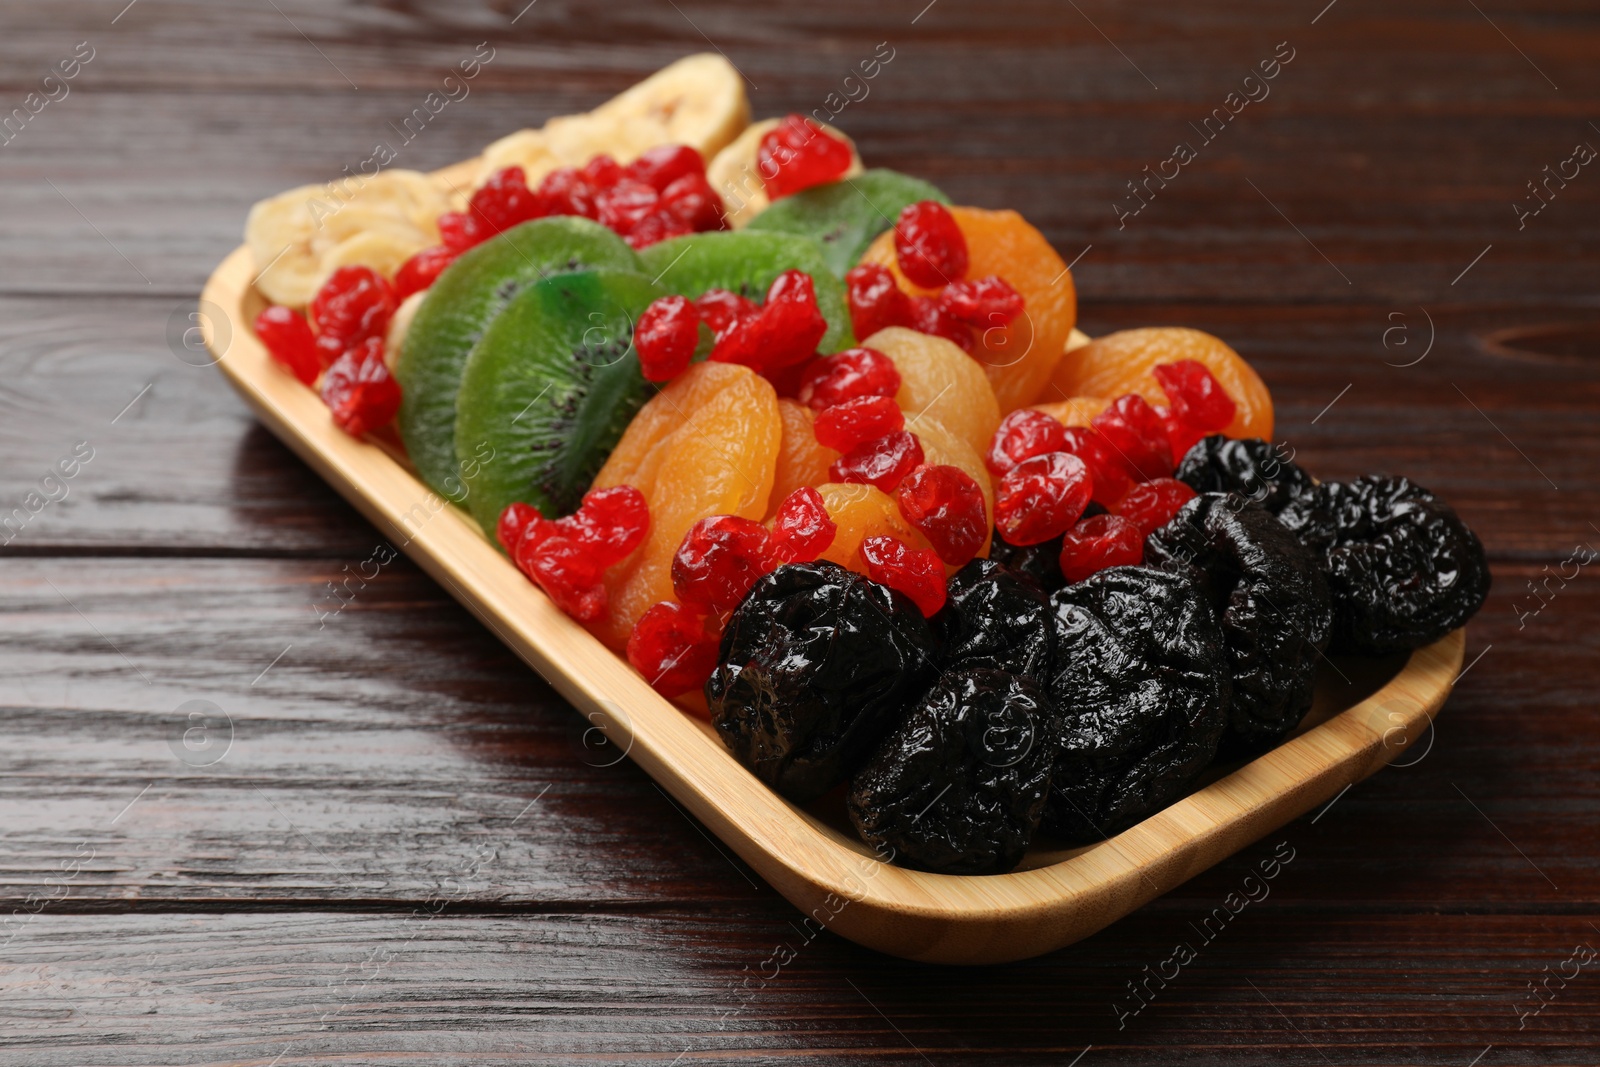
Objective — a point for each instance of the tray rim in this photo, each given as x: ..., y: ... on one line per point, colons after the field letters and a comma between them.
x: 840, y: 886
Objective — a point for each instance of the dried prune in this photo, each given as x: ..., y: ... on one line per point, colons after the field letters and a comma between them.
x: 1248, y: 466
x: 816, y: 665
x: 994, y: 618
x: 959, y: 786
x: 1271, y: 599
x: 1404, y: 570
x: 1041, y: 562
x: 1142, y: 685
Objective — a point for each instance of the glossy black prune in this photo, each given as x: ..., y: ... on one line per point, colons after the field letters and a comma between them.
x: 958, y: 787
x: 816, y: 665
x: 994, y: 618
x: 1248, y: 466
x: 1272, y: 601
x: 1404, y: 570
x: 1142, y: 686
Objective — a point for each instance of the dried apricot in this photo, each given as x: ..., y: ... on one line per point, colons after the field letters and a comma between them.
x: 939, y: 380
x: 860, y: 512
x: 802, y: 460
x: 1076, y: 410
x: 707, y: 444
x: 1121, y: 363
x: 1018, y: 358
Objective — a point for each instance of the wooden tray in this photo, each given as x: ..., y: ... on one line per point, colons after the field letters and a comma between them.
x: 1366, y: 715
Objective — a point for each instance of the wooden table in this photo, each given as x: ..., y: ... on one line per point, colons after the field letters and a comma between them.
x: 390, y: 842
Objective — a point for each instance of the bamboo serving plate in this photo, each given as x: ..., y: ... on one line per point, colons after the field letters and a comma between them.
x: 1366, y: 714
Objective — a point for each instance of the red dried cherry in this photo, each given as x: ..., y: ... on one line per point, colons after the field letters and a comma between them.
x: 783, y: 333
x: 1195, y: 395
x: 982, y: 303
x: 947, y: 507
x: 610, y: 523
x: 1023, y: 434
x: 929, y: 246
x: 504, y: 201
x: 674, y: 648
x: 1110, y: 474
x: 1151, y: 505
x: 359, y: 390
x: 876, y: 302
x: 883, y: 462
x: 288, y: 339
x: 564, y: 192
x: 855, y: 372
x: 566, y: 570
x: 916, y: 572
x: 721, y: 308
x: 666, y: 336
x: 720, y: 558
x: 514, y: 518
x: 928, y: 317
x: 625, y: 204
x: 355, y: 303
x: 847, y: 424
x: 653, y: 228
x: 797, y: 154
x: 1041, y: 497
x: 1136, y: 433
x: 420, y: 271
x: 1098, y: 542
x: 601, y: 172
x: 693, y: 202
x: 802, y: 530
x: 460, y: 230
x: 665, y: 164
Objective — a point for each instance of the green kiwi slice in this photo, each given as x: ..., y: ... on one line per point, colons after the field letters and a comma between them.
x: 462, y: 302
x: 548, y: 390
x: 844, y: 217
x: 746, y: 263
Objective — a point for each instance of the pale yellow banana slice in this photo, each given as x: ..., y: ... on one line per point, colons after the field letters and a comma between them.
x: 735, y: 177
x: 698, y: 101
x: 300, y: 237
x: 400, y: 325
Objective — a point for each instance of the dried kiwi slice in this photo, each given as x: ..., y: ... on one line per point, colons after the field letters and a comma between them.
x: 746, y: 263
x: 548, y: 390
x: 460, y: 306
x: 845, y: 216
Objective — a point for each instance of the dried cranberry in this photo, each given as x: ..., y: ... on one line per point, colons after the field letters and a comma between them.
x: 601, y: 172
x: 916, y: 572
x: 288, y: 339
x: 797, y: 154
x: 783, y: 333
x: 693, y: 202
x: 611, y: 523
x: 418, y: 272
x: 355, y: 303
x: 845, y: 425
x: 1110, y: 474
x: 719, y: 560
x: 1098, y: 542
x: 1041, y: 497
x: 564, y: 192
x: 876, y: 302
x: 514, y: 518
x: 721, y: 308
x: 359, y: 390
x: 1136, y: 433
x: 625, y: 204
x: 929, y: 246
x: 1023, y: 434
x: 1181, y: 436
x: 1151, y: 505
x: 665, y: 164
x: 947, y: 507
x: 1195, y: 395
x: 982, y: 303
x: 674, y: 648
x: 653, y: 228
x: 855, y: 372
x: 505, y: 200
x: 460, y: 230
x: 566, y: 570
x: 928, y: 317
x: 802, y: 530
x: 666, y: 336
x: 883, y: 462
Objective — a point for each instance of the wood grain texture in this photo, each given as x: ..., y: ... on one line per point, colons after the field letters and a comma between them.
x: 1403, y: 932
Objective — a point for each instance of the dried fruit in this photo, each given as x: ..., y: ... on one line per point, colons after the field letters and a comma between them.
x: 1135, y: 432
x: 661, y: 166
x: 721, y: 308
x: 817, y: 664
x: 1250, y: 467
x: 1039, y: 564
x: 801, y: 529
x: 948, y: 507
x: 1110, y: 474
x: 565, y: 192
x: 625, y: 204
x: 929, y: 317
x: 666, y: 336
x: 513, y: 520
x: 288, y: 339
x: 784, y: 332
x: 797, y: 154
x: 882, y: 462
x: 601, y: 172
x: 674, y: 647
x: 997, y: 619
x: 503, y: 201
x: 929, y: 247
x: 1195, y: 395
x: 1271, y: 599
x: 1041, y: 498
x: 355, y: 303
x: 916, y: 572
x: 611, y: 523
x: 960, y: 784
x: 801, y: 461
x: 850, y: 422
x: 876, y: 302
x: 939, y: 381
x: 1096, y: 543
x: 847, y: 375
x: 692, y: 202
x: 461, y: 230
x: 860, y: 512
x: 359, y: 390
x: 418, y: 272
x: 719, y: 560
x: 982, y: 303
x: 1142, y: 680
x: 1022, y: 435
x: 1151, y: 505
